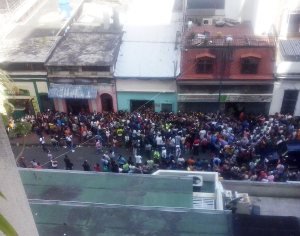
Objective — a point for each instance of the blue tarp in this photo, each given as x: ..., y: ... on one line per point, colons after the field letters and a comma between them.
x: 72, y: 91
x: 293, y: 147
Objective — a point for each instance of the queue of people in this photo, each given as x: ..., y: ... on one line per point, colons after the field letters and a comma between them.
x: 247, y: 147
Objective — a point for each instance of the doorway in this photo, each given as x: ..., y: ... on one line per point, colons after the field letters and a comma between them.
x: 141, y: 105
x: 107, y: 103
x: 77, y: 105
x: 289, y: 102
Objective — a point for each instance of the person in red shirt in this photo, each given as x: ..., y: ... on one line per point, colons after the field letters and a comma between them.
x: 97, y: 167
x: 38, y: 166
x: 196, y: 145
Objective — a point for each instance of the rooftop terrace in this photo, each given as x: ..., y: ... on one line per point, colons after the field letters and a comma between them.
x: 89, y: 203
x: 240, y: 35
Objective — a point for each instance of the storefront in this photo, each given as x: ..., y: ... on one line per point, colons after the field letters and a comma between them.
x: 138, y: 101
x: 157, y: 95
x: 228, y: 103
x: 82, y: 98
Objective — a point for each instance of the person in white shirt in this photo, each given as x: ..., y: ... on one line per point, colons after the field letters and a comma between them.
x: 138, y: 160
x: 43, y: 143
x: 164, y: 153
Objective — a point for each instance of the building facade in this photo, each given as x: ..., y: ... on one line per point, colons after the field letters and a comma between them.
x: 286, y: 99
x: 25, y: 49
x: 148, y: 64
x: 81, y: 67
x: 24, y: 62
x: 226, y: 68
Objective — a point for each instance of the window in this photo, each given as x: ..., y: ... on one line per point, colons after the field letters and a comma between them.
x: 96, y: 68
x: 249, y: 65
x: 293, y: 24
x: 206, y: 4
x: 23, y: 67
x: 166, y: 107
x: 289, y: 101
x: 204, y: 65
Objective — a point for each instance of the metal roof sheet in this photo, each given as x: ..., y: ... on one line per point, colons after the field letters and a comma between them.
x: 72, y: 91
x: 290, y: 49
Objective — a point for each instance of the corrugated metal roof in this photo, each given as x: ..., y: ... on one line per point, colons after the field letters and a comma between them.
x: 290, y: 49
x: 72, y: 91
x: 150, y: 51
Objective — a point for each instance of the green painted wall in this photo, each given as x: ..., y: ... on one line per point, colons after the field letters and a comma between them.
x: 158, y: 98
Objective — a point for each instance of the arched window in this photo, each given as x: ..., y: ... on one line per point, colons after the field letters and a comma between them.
x: 249, y: 64
x: 205, y: 63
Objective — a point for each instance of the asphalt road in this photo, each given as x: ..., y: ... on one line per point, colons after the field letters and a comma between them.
x: 77, y: 157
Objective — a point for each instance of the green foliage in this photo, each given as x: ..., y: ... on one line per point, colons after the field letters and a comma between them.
x: 5, y: 83
x: 20, y: 129
x: 5, y: 226
x: 4, y: 119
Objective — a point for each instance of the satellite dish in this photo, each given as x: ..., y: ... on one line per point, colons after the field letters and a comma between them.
x: 229, y: 39
x: 220, y: 23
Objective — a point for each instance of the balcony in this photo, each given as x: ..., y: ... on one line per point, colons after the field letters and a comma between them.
x: 203, y: 41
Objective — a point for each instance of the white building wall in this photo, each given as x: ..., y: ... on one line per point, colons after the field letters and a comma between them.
x: 278, y: 93
x: 262, y: 13
x: 150, y: 85
x: 297, y: 109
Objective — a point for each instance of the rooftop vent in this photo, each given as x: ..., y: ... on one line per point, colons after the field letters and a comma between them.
x: 207, y: 21
x: 220, y: 23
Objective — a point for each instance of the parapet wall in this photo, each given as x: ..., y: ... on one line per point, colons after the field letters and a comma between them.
x: 258, y: 189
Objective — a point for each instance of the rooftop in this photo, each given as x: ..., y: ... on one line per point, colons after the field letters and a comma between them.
x: 272, y: 199
x: 89, y: 203
x: 35, y: 50
x: 151, y: 50
x: 33, y: 37
x: 234, y: 35
x: 92, y: 40
x: 290, y: 49
x: 77, y: 219
x: 86, y: 49
x: 108, y: 188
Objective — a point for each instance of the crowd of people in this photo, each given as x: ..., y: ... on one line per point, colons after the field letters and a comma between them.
x: 246, y: 147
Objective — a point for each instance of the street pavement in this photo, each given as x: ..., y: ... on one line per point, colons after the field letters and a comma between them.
x: 77, y: 157
x: 82, y: 151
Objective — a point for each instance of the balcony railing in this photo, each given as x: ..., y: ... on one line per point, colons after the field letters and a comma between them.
x: 216, y: 41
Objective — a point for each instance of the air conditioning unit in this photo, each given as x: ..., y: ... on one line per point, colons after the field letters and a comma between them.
x: 197, y: 182
x: 207, y: 21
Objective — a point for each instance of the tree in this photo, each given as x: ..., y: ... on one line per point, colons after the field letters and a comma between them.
x: 14, y: 208
x: 21, y: 129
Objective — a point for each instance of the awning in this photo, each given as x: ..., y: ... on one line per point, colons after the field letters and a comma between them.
x: 224, y: 97
x: 72, y: 91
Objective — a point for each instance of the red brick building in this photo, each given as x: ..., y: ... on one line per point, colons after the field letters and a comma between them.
x: 226, y: 68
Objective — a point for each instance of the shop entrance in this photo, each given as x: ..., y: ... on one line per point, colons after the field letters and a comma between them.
x: 107, y: 103
x: 77, y: 105
x: 141, y: 105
